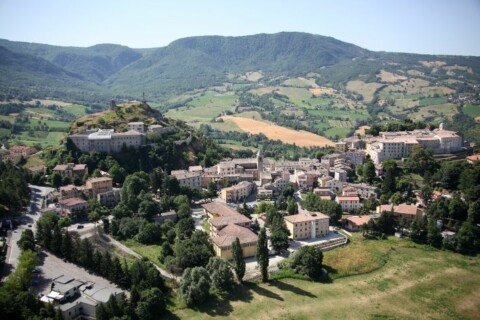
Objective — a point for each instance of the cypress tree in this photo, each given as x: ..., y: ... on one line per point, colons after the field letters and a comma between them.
x: 262, y: 254
x: 238, y: 262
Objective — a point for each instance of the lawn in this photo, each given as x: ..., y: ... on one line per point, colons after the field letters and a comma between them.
x: 396, y: 280
x: 151, y: 252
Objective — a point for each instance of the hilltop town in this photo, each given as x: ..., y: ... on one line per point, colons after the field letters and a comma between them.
x: 225, y: 219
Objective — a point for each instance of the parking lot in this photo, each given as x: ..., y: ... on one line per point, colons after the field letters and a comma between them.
x: 51, y: 267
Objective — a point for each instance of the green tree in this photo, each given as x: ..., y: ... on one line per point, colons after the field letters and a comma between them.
x: 467, y: 237
x: 185, y: 228
x: 67, y: 246
x: 308, y: 261
x: 279, y: 234
x: 368, y: 172
x: 262, y: 254
x: 56, y: 179
x: 313, y: 202
x: 238, y: 262
x: 151, y: 304
x: 434, y: 238
x: 117, y: 173
x: 292, y: 207
x: 220, y: 273
x: 421, y: 161
x: 195, y: 285
x: 194, y: 251
x: 27, y: 240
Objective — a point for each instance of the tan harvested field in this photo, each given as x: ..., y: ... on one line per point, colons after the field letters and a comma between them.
x: 274, y: 132
x: 457, y: 67
x: 477, y: 119
x: 432, y: 64
x: 45, y: 102
x: 253, y: 76
x: 361, y: 130
x: 386, y: 76
x: 320, y: 91
x: 251, y: 115
x: 415, y: 73
x: 367, y: 90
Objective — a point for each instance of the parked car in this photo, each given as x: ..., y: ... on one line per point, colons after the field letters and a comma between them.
x: 80, y: 226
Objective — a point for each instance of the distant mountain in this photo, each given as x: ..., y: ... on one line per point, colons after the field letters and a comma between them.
x: 98, y: 72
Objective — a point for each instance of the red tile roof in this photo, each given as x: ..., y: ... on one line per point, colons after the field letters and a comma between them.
x: 227, y: 236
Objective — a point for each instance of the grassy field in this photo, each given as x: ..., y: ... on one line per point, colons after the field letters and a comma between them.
x: 367, y: 90
x: 203, y: 108
x: 300, y: 82
x: 151, y: 252
x: 472, y: 110
x: 395, y: 280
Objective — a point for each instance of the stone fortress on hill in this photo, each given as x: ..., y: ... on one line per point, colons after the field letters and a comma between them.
x: 109, y: 141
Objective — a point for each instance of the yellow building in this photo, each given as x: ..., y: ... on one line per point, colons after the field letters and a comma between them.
x: 237, y: 192
x: 99, y: 185
x: 222, y: 242
x: 307, y: 225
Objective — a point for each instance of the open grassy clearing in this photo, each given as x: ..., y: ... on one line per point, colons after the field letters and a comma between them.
x: 366, y: 90
x: 274, y: 132
x: 300, y: 82
x: 251, y: 115
x: 360, y: 114
x: 253, y: 76
x: 437, y: 112
x: 204, y: 107
x: 472, y: 110
x: 320, y: 91
x: 396, y: 280
x: 386, y: 76
x: 151, y: 252
x: 341, y: 132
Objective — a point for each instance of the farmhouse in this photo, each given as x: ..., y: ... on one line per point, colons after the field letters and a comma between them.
x: 71, y: 169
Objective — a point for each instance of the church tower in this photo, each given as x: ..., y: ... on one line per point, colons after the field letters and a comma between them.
x: 259, y: 161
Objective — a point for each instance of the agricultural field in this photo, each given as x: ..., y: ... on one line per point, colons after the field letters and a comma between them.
x: 386, y: 76
x: 366, y: 90
x: 204, y: 107
x: 472, y: 110
x: 42, y: 124
x: 300, y: 82
x: 389, y: 279
x: 274, y: 132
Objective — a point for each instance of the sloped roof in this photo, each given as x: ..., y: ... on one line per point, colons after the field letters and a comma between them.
x: 227, y: 236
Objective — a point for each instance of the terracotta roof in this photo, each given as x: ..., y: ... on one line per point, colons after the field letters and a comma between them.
x: 401, y: 208
x: 359, y: 221
x: 60, y: 167
x: 72, y: 202
x: 474, y: 157
x: 226, y: 220
x: 99, y: 179
x: 219, y: 209
x: 37, y: 168
x: 227, y: 236
x: 348, y: 198
x: 306, y: 216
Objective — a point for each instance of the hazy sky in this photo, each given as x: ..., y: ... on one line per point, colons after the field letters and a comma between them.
x: 417, y: 26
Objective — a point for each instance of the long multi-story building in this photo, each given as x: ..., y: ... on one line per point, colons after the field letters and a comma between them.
x: 307, y: 225
x: 106, y: 140
x: 396, y: 145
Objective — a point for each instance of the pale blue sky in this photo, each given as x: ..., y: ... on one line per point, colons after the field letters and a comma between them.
x: 417, y: 26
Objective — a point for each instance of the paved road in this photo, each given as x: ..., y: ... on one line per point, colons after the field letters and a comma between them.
x: 27, y: 220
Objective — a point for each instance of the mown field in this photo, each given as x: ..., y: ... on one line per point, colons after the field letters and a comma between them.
x: 391, y: 279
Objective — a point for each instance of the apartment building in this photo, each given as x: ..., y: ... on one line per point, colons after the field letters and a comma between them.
x: 71, y: 169
x: 237, y: 192
x: 188, y: 179
x: 99, y: 185
x: 348, y: 203
x: 307, y: 225
x: 106, y: 140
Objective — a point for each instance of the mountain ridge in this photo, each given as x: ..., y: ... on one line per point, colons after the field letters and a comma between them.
x: 106, y: 70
